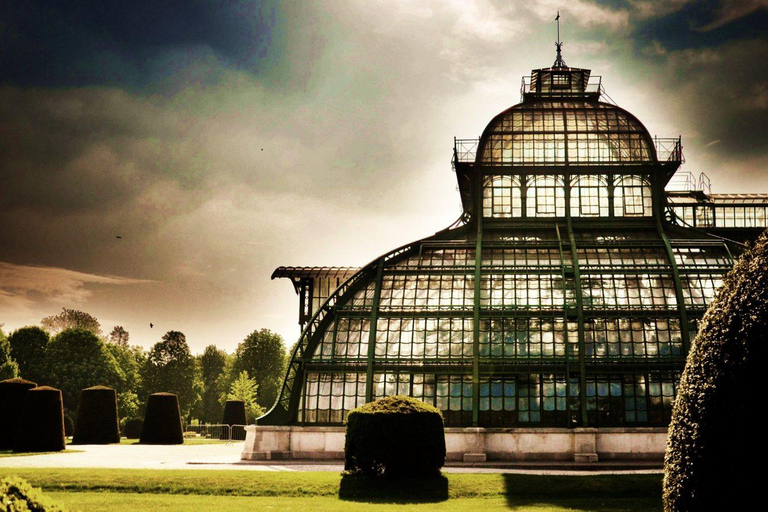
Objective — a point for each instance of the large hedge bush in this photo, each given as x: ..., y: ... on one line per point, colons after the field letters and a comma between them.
x: 162, y: 421
x: 234, y: 414
x: 16, y: 495
x: 97, y: 421
x: 132, y: 428
x: 716, y: 446
x: 12, y: 394
x: 41, y: 427
x: 396, y: 436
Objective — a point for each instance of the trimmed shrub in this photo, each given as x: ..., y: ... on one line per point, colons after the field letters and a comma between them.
x: 162, y: 421
x: 12, y: 393
x: 41, y: 427
x: 132, y: 429
x: 69, y: 425
x: 97, y: 417
x: 396, y: 436
x: 16, y: 495
x: 715, y: 438
x: 234, y: 414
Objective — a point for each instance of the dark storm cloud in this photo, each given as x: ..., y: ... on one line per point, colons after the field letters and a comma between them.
x: 108, y: 42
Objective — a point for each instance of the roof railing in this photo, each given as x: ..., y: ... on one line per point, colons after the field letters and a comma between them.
x: 668, y: 150
x: 594, y: 86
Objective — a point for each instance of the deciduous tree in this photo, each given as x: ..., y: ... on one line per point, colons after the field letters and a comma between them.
x: 8, y: 367
x: 171, y: 368
x: 245, y: 388
x: 28, y: 346
x: 262, y: 355
x: 212, y: 363
x: 71, y: 319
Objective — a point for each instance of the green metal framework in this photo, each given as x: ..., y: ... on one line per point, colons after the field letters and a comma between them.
x: 565, y: 296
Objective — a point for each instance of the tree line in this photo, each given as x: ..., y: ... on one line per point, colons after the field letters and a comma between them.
x: 69, y: 351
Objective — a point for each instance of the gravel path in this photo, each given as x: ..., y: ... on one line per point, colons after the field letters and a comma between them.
x: 227, y: 457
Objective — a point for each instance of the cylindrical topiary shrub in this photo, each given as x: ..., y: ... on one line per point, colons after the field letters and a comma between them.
x: 132, y: 428
x: 716, y: 445
x: 234, y: 414
x: 162, y: 421
x: 396, y: 436
x: 41, y: 428
x: 97, y: 417
x: 12, y: 393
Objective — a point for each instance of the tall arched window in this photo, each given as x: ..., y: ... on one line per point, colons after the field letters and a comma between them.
x: 545, y: 197
x: 632, y: 197
x: 501, y: 197
x: 589, y: 196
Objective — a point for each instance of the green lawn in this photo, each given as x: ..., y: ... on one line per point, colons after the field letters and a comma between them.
x: 195, y: 490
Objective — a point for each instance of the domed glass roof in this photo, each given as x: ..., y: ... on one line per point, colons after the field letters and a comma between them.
x: 565, y: 131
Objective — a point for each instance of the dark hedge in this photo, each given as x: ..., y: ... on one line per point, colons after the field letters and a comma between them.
x: 41, y: 428
x: 97, y: 421
x: 69, y: 425
x: 12, y: 393
x: 234, y: 414
x: 132, y: 429
x: 162, y: 421
x: 716, y: 446
x: 396, y: 436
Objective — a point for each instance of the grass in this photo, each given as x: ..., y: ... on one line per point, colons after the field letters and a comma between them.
x: 11, y: 453
x: 125, y: 489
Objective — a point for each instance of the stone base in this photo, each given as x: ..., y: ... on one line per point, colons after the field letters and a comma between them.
x: 475, y: 457
x: 474, y: 445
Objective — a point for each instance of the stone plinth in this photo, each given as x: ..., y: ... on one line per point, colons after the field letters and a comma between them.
x: 474, y: 445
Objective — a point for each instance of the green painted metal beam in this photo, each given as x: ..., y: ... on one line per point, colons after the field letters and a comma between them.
x: 372, y: 332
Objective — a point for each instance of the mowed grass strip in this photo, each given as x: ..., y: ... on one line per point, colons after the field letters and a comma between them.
x: 527, y: 488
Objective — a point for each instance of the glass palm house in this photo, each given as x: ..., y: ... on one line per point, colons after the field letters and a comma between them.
x: 565, y: 296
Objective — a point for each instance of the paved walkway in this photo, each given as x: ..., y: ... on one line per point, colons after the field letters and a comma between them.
x: 227, y: 457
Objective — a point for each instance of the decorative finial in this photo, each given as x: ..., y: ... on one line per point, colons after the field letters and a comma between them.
x: 559, y: 62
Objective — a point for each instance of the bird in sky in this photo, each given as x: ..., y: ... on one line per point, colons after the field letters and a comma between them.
x: 151, y: 325
x: 118, y: 236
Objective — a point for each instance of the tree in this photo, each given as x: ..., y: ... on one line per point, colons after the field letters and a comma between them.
x: 212, y: 363
x: 171, y: 368
x: 28, y: 346
x: 119, y: 336
x: 262, y: 355
x: 77, y: 359
x: 130, y: 360
x: 71, y: 319
x: 715, y: 437
x: 8, y: 367
x: 245, y: 388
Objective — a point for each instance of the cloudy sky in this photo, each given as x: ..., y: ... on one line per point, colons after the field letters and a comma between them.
x: 225, y: 138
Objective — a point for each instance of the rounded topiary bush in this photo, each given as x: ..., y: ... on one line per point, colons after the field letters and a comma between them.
x: 396, y: 436
x: 41, y: 427
x: 716, y: 436
x: 97, y: 421
x: 234, y: 414
x: 132, y: 428
x: 69, y: 425
x: 12, y: 393
x: 162, y: 421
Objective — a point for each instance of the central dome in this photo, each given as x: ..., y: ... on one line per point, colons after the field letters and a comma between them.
x: 565, y: 131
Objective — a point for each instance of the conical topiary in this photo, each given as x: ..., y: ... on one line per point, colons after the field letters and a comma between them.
x: 132, y: 428
x: 12, y: 393
x: 162, y: 421
x: 41, y: 427
x: 234, y: 414
x: 716, y: 446
x: 97, y: 417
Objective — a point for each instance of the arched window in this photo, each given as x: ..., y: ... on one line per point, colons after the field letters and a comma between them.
x: 501, y: 197
x: 589, y: 196
x: 545, y: 197
x: 632, y: 197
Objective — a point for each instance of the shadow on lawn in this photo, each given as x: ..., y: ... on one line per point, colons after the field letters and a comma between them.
x: 386, y: 490
x: 625, y: 493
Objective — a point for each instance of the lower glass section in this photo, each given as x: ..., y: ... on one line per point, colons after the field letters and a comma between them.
x: 515, y: 400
